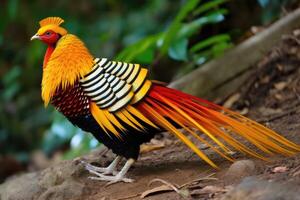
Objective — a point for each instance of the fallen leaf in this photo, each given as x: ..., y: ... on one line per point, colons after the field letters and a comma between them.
x: 159, y: 189
x: 167, y: 186
x: 196, y: 181
x: 278, y: 96
x: 154, y: 145
x: 280, y: 85
x: 257, y: 29
x: 296, y: 32
x: 244, y: 111
x: 209, y: 189
x: 280, y: 169
x: 231, y: 100
x: 296, y: 173
x: 265, y: 80
x: 269, y: 111
x: 157, y: 142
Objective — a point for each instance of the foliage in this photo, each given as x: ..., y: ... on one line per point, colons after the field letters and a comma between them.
x: 175, y: 40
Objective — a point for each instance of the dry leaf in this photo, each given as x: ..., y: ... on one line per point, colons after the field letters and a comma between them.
x: 280, y: 85
x: 231, y: 100
x: 265, y: 80
x: 209, y: 189
x: 269, y: 111
x: 159, y: 189
x: 257, y: 29
x: 244, y: 111
x: 278, y: 96
x: 167, y: 187
x: 155, y: 145
x: 296, y: 32
x: 296, y: 173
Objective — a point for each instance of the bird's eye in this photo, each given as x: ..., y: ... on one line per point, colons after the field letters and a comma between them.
x: 48, y: 33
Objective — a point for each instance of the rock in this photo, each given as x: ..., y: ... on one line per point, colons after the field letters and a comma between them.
x: 57, y: 182
x: 67, y: 190
x: 240, y: 169
x: 253, y: 189
x: 21, y: 188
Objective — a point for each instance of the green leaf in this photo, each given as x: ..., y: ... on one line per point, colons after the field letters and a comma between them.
x: 12, y: 75
x: 11, y: 91
x: 218, y: 49
x: 208, y: 6
x: 11, y: 83
x: 190, y: 28
x: 176, y: 24
x: 178, y: 50
x: 210, y: 41
x: 133, y: 51
x: 202, y: 57
x: 146, y: 57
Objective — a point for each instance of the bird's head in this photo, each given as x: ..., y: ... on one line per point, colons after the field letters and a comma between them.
x: 50, y: 30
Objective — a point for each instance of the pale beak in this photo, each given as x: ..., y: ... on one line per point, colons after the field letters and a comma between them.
x: 36, y: 36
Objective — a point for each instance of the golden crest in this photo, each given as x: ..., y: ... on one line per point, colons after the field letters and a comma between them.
x: 51, y: 20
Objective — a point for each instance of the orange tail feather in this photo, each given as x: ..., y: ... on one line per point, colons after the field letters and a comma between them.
x: 219, y: 124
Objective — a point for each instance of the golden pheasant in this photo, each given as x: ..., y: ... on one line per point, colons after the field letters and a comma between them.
x: 122, y: 108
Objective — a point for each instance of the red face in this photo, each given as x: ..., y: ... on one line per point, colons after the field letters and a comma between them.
x: 49, y: 37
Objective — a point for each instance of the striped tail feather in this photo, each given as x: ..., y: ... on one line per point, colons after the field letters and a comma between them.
x: 165, y: 106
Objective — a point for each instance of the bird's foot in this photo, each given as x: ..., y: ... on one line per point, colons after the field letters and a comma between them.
x: 116, y: 177
x: 111, y: 179
x: 99, y: 170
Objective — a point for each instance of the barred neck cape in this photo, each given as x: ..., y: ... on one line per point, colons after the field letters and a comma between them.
x: 126, y: 104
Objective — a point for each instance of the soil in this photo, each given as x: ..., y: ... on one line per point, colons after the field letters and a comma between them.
x: 271, y: 96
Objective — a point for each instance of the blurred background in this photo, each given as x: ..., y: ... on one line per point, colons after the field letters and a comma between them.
x: 171, y: 37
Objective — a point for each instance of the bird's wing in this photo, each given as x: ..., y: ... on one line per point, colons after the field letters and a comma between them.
x: 112, y: 88
x: 113, y: 85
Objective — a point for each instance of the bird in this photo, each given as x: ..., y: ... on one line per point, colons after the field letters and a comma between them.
x: 122, y: 108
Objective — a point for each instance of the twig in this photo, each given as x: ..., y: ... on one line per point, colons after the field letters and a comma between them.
x: 283, y: 114
x: 291, y: 37
x: 208, y: 177
x: 166, y: 183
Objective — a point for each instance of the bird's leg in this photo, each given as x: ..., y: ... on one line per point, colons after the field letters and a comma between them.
x: 119, y: 177
x: 103, y: 170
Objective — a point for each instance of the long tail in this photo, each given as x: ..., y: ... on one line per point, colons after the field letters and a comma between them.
x: 165, y: 106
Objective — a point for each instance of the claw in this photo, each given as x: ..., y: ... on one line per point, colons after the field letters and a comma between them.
x: 125, y: 180
x: 103, y: 170
x: 115, y: 178
x: 111, y: 179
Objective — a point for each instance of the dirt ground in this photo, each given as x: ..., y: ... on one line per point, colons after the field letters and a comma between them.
x: 270, y: 96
